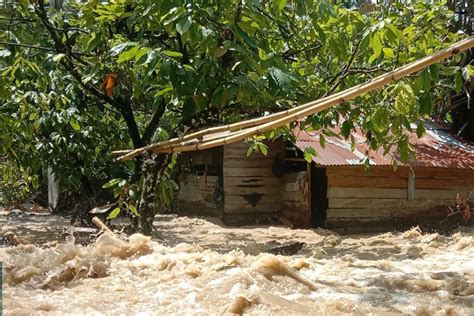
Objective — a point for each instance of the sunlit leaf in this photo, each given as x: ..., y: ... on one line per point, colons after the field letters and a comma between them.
x: 115, y: 212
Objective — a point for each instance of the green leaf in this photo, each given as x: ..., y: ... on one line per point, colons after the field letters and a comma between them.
x: 220, y: 51
x: 309, y: 153
x: 434, y: 72
x: 322, y: 140
x: 142, y: 52
x: 114, y: 51
x: 426, y: 80
x: 115, y: 212
x: 133, y: 209
x: 404, y: 150
x: 245, y: 37
x: 128, y: 54
x: 380, y: 121
x: 183, y: 25
x: 164, y: 91
x: 279, y: 4
x: 377, y: 44
x: 458, y: 82
x: 426, y: 104
x: 171, y: 53
x: 388, y: 53
x: 420, y: 129
x: 346, y: 129
x: 111, y: 183
x: 263, y: 148
x: 392, y: 34
x: 262, y: 55
x: 301, y: 7
x: 58, y: 57
x: 75, y: 124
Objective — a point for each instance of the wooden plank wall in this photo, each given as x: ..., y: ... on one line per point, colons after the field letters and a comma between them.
x: 196, y: 195
x: 295, y: 198
x: 251, y: 189
x: 358, y: 200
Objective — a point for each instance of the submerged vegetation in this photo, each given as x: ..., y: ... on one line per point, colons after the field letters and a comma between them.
x: 80, y: 79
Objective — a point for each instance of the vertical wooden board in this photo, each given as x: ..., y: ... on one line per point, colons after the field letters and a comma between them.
x: 411, y: 186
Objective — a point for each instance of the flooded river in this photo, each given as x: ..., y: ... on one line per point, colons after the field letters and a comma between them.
x: 201, y: 267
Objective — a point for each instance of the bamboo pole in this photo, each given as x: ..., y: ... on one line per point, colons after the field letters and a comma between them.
x: 282, y: 118
x: 127, y: 154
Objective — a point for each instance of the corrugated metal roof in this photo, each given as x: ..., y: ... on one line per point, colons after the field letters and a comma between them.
x: 437, y: 148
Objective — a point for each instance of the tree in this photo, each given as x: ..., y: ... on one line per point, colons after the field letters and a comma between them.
x: 85, y: 78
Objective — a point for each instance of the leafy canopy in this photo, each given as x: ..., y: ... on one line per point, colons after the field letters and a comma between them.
x: 81, y: 79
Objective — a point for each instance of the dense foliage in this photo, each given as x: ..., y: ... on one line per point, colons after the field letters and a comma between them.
x: 80, y: 79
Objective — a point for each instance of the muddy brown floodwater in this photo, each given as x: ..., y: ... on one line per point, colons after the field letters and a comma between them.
x: 201, y: 267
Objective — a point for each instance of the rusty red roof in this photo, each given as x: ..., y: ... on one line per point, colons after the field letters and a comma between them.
x: 437, y: 148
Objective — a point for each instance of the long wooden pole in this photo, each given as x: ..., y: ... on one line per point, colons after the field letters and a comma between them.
x: 282, y: 118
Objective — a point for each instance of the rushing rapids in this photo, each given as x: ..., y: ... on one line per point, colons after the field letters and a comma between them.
x: 200, y: 267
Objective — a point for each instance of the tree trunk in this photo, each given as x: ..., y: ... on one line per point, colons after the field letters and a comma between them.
x: 148, y: 201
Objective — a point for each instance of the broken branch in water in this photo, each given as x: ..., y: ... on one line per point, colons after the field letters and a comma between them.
x: 101, y: 225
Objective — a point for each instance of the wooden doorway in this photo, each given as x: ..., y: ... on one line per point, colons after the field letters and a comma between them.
x: 319, y: 193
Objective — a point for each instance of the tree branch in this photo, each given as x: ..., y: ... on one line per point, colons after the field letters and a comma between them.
x: 2, y: 18
x: 289, y: 53
x: 47, y: 49
x: 153, y: 124
x: 344, y: 73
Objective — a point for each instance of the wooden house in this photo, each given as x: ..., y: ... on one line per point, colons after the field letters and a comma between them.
x: 333, y: 191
